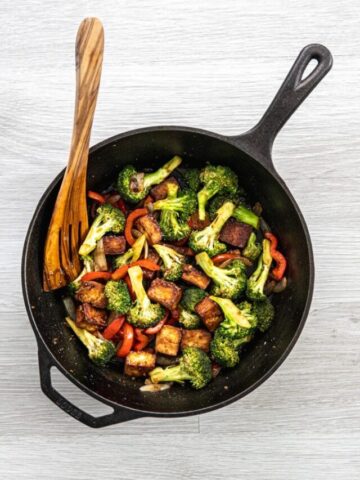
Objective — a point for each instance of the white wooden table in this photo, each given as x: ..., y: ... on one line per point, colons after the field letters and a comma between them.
x: 214, y: 65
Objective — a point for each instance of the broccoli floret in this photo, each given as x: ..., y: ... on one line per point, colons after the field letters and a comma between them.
x: 143, y: 314
x: 118, y: 296
x: 173, y: 262
x: 189, y: 320
x: 244, y: 215
x: 175, y: 211
x: 191, y: 297
x: 265, y: 313
x: 108, y: 219
x: 194, y: 366
x: 133, y: 186
x: 206, y: 240
x: 226, y: 350
x: 184, y: 202
x: 100, y: 351
x: 192, y: 178
x: 228, y: 282
x: 240, y: 321
x: 256, y: 283
x: 88, y: 263
x: 132, y: 254
x: 252, y: 249
x: 216, y: 179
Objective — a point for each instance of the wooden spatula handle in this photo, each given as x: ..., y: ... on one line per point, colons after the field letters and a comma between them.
x: 70, y: 208
x: 89, y: 57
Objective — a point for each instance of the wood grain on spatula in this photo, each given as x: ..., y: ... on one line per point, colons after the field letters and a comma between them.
x: 69, y: 222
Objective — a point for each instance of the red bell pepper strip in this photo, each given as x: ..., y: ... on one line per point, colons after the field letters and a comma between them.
x: 121, y: 205
x: 156, y: 329
x: 96, y: 276
x: 221, y: 257
x: 120, y: 273
x: 96, y: 196
x: 127, y: 341
x: 130, y: 288
x: 112, y: 329
x: 139, y: 212
x: 141, y: 340
x: 144, y: 263
x: 278, y: 271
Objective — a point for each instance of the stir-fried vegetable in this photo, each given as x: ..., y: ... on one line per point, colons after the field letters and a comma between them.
x: 165, y: 263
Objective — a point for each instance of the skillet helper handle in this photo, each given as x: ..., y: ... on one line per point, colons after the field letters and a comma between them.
x: 118, y: 416
x: 259, y: 140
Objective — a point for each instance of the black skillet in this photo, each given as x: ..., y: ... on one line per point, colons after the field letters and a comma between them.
x: 250, y: 156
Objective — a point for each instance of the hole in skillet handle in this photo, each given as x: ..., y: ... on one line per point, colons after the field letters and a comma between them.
x: 117, y: 416
x: 298, y: 84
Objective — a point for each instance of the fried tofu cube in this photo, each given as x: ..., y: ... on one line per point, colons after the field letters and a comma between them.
x: 196, y: 338
x: 207, y: 308
x: 159, y: 192
x: 166, y: 293
x: 168, y: 340
x: 212, y: 323
x: 92, y: 292
x: 90, y: 318
x: 114, y: 244
x: 194, y: 276
x: 137, y: 364
x: 148, y: 225
x: 235, y: 233
x: 196, y: 223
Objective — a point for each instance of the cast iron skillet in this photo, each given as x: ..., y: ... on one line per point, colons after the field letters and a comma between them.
x: 250, y: 156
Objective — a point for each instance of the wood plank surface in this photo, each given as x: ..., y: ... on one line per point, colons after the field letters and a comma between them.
x: 213, y: 65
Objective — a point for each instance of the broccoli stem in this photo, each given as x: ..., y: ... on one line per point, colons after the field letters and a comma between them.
x: 204, y: 196
x: 170, y: 374
x: 244, y: 215
x: 205, y: 262
x: 85, y: 337
x: 222, y: 216
x: 94, y: 234
x: 162, y: 173
x: 231, y: 311
x: 136, y: 278
x: 171, y: 202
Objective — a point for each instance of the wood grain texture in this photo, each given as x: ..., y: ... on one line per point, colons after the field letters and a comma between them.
x: 215, y: 66
x: 69, y: 221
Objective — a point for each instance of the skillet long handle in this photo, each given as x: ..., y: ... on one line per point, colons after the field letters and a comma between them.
x: 259, y: 140
x: 118, y: 416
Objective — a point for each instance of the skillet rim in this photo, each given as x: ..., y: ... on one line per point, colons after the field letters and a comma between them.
x: 236, y: 142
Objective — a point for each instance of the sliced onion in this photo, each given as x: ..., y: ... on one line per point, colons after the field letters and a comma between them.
x: 269, y: 287
x: 155, y: 387
x: 146, y: 249
x: 69, y: 305
x: 113, y: 199
x: 215, y: 369
x: 150, y: 207
x: 264, y: 227
x: 136, y: 233
x: 257, y: 209
x: 164, y: 361
x: 100, y: 258
x: 280, y: 286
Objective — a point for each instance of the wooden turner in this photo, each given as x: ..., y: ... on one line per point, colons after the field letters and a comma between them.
x: 69, y: 222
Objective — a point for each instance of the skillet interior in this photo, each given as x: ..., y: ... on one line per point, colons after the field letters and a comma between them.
x: 150, y: 148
